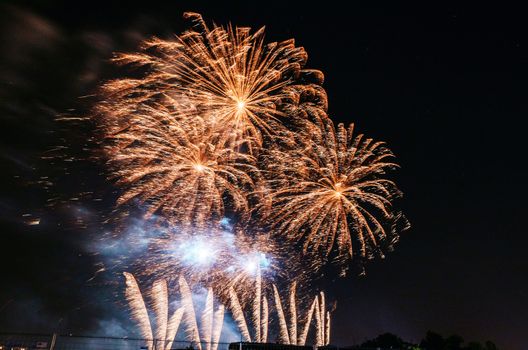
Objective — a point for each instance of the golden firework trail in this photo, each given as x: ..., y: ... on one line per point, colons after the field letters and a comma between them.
x: 293, y: 314
x: 257, y: 305
x: 166, y: 328
x: 322, y: 321
x: 137, y: 306
x: 189, y: 314
x: 283, y: 327
x: 264, y: 322
x: 288, y: 326
x: 217, y: 326
x: 327, y: 328
x: 322, y: 317
x: 160, y: 297
x: 259, y: 311
x: 238, y: 315
x: 173, y: 325
x: 318, y: 322
x: 330, y: 192
x: 306, y: 328
x: 211, y: 320
x: 207, y: 319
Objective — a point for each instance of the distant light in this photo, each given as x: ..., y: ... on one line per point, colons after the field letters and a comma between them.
x: 33, y: 222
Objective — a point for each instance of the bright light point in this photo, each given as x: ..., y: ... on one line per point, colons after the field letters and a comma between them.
x: 199, y: 167
x: 338, y: 192
x: 197, y: 252
x: 251, y: 266
x: 241, y: 105
x: 254, y: 261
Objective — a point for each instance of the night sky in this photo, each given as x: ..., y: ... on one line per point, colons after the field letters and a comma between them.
x: 444, y: 86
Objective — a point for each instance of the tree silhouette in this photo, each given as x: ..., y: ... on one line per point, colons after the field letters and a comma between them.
x: 431, y: 341
x: 386, y: 341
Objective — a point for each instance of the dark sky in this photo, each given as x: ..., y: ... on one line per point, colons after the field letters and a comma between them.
x: 444, y: 86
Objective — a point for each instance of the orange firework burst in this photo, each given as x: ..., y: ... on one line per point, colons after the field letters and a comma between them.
x: 330, y: 192
x: 177, y: 171
x: 182, y: 138
x: 239, y: 85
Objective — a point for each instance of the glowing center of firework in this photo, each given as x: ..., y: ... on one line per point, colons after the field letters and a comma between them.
x: 241, y: 106
x: 198, y: 252
x: 199, y: 167
x: 338, y: 192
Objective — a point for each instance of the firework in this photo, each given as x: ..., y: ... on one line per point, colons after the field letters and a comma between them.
x: 257, y: 305
x: 293, y: 313
x: 217, y: 258
x: 181, y: 138
x: 137, y: 306
x: 178, y: 172
x: 322, y: 321
x: 288, y: 332
x: 283, y: 327
x: 306, y: 328
x: 265, y: 319
x: 229, y: 75
x: 166, y: 328
x: 220, y: 124
x: 259, y: 312
x: 161, y: 310
x: 332, y: 192
x: 189, y: 315
x: 218, y: 321
x: 211, y: 320
x: 173, y: 325
x: 207, y: 319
